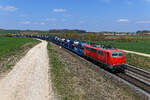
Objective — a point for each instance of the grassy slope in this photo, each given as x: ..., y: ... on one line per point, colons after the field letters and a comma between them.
x: 12, y: 49
x: 61, y: 78
x: 79, y: 82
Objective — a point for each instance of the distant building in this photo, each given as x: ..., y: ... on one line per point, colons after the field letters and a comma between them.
x: 119, y: 33
x: 109, y: 33
x: 143, y: 33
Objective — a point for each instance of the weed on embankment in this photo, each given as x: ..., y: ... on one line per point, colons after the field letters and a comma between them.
x: 62, y: 79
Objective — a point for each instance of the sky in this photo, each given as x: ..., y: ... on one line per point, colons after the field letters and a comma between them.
x: 90, y: 15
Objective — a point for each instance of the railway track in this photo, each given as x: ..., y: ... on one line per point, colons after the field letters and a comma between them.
x: 135, y: 81
x: 137, y: 77
x: 138, y: 71
x: 133, y: 75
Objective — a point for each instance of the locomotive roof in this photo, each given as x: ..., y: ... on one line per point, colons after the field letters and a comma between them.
x: 104, y: 48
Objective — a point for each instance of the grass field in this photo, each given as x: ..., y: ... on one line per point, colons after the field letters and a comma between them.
x: 128, y: 35
x: 142, y: 45
x: 12, y: 49
x: 9, y: 44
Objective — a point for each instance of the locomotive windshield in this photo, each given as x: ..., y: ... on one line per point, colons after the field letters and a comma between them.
x: 117, y: 54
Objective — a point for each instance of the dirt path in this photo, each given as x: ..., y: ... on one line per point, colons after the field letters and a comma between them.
x: 29, y: 78
x: 138, y: 53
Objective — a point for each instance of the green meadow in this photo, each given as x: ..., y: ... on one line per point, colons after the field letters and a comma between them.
x: 140, y: 45
x: 10, y: 44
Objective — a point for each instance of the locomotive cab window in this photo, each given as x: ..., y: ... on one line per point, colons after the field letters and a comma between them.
x: 117, y: 54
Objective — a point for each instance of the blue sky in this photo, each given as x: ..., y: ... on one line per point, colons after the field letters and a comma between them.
x: 90, y: 15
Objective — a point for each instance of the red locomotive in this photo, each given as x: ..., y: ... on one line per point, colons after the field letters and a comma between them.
x: 109, y: 57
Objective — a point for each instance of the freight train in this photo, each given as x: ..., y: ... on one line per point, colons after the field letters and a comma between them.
x: 108, y: 57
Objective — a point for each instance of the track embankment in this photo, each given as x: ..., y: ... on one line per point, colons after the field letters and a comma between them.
x: 79, y: 79
x: 29, y: 78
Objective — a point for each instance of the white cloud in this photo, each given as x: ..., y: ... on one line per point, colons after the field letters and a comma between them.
x: 22, y: 15
x: 50, y: 19
x: 59, y: 10
x: 42, y: 23
x: 123, y: 20
x: 143, y: 22
x: 8, y: 8
x: 54, y: 24
x: 129, y: 3
x: 81, y: 22
x: 27, y: 22
x: 67, y: 15
x: 1, y: 7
